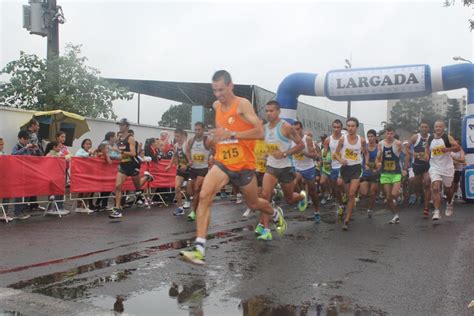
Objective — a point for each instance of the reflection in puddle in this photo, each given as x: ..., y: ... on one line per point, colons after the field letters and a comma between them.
x: 10, y: 313
x: 196, y: 299
x: 59, y: 284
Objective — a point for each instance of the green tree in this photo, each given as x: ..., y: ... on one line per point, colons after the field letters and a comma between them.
x: 179, y: 115
x: 453, y: 114
x: 408, y: 113
x: 466, y: 3
x: 77, y: 88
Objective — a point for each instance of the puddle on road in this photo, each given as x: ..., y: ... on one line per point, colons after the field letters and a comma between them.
x: 49, y: 282
x: 10, y: 313
x: 196, y: 299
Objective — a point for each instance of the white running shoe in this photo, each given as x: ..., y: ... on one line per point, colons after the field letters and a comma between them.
x: 187, y: 204
x: 436, y: 215
x: 395, y: 220
x: 239, y: 198
x: 449, y: 209
x: 247, y: 212
x: 83, y: 210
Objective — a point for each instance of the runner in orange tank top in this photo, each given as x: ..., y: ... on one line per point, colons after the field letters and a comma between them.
x: 237, y: 128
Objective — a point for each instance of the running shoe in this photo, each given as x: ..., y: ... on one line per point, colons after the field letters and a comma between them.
x: 187, y: 204
x: 239, y: 199
x: 426, y: 212
x: 280, y: 223
x: 7, y: 218
x: 449, y: 209
x: 223, y: 195
x: 259, y: 229
x: 340, y: 212
x: 192, y: 256
x: 357, y: 199
x: 148, y: 176
x: 323, y: 201
x: 192, y: 216
x: 266, y: 235
x: 23, y: 216
x: 303, y: 204
x: 179, y: 212
x: 369, y: 213
x: 317, y: 218
x: 436, y: 215
x: 115, y: 213
x: 412, y: 200
x: 345, y: 227
x: 395, y: 220
x: 247, y: 212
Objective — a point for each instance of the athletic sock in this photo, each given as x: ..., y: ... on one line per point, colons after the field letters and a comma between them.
x: 275, y: 215
x: 200, y: 245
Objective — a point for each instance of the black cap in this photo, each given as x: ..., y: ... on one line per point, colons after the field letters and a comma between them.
x: 123, y: 121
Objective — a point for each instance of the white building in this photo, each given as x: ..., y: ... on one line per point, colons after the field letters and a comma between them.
x: 439, y: 101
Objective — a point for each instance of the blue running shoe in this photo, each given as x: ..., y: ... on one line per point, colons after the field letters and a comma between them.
x: 317, y: 218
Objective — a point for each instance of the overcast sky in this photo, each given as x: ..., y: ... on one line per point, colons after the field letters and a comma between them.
x: 258, y: 42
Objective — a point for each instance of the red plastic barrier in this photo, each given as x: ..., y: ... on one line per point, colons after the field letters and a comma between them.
x: 96, y: 175
x: 162, y: 178
x: 23, y: 176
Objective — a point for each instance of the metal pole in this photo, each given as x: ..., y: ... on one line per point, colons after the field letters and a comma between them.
x: 138, y: 114
x: 53, y: 34
x: 52, y: 51
x: 449, y: 126
x: 348, y: 109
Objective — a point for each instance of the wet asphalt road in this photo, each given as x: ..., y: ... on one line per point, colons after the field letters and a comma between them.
x: 415, y: 268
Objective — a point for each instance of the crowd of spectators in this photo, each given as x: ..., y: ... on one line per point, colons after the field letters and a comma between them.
x: 29, y: 143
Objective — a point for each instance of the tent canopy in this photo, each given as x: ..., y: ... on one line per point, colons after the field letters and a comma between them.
x: 185, y: 92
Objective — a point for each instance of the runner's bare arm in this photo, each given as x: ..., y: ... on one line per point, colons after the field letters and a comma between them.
x: 337, y: 154
x: 407, y: 154
x: 248, y: 113
x: 290, y: 132
x: 379, y: 156
x: 427, y: 153
x: 312, y: 152
x: 365, y: 152
x: 187, y: 152
x: 454, y: 145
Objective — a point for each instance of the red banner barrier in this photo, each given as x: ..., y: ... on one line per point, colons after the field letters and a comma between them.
x: 162, y: 178
x: 23, y: 176
x: 96, y: 175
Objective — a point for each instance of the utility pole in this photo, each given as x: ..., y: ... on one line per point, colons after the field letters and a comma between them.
x: 53, y: 34
x: 42, y: 17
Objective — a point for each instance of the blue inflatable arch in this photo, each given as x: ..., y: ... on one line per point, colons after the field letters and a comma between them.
x: 382, y: 83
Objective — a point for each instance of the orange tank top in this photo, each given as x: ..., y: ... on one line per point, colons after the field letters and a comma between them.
x: 234, y: 154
